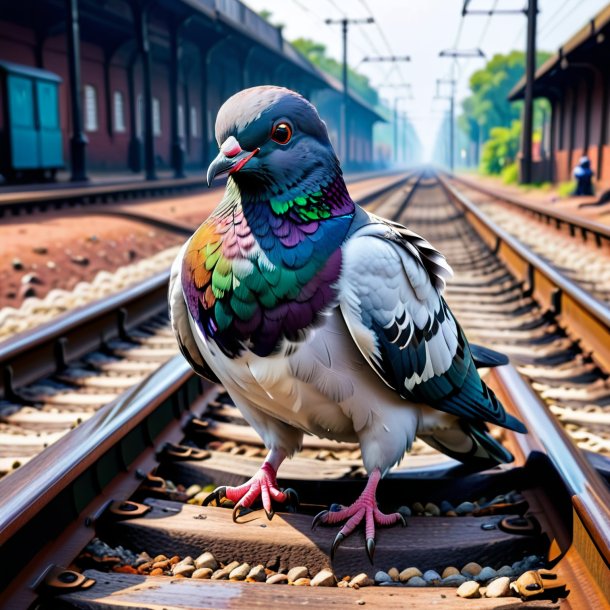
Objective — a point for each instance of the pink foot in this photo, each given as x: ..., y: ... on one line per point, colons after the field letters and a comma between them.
x: 263, y: 484
x: 365, y: 507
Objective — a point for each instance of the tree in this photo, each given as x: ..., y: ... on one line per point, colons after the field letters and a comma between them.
x: 501, y: 148
x: 315, y: 52
x: 488, y: 107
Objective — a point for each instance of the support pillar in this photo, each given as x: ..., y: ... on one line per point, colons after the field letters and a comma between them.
x: 588, y: 105
x: 187, y: 140
x: 553, y: 140
x: 108, y: 95
x: 177, y: 155
x: 205, y: 136
x: 573, y: 102
x: 78, y: 140
x: 604, y: 126
x: 135, y: 142
x: 140, y: 17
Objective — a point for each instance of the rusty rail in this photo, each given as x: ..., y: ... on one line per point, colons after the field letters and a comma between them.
x: 585, y: 318
x: 590, y: 496
x: 76, y: 476
x: 575, y: 224
x: 45, y: 349
x: 57, y: 197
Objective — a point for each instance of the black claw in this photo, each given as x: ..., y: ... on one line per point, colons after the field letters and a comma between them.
x: 318, y: 517
x: 269, y: 514
x: 370, y: 548
x: 217, y: 496
x: 292, y: 499
x: 403, y: 519
x: 240, y: 511
x: 339, y: 538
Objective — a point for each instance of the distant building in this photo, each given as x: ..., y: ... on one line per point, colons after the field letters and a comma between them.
x: 576, y: 81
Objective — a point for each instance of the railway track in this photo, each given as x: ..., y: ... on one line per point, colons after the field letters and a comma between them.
x: 549, y: 509
x: 46, y: 198
x: 576, y: 246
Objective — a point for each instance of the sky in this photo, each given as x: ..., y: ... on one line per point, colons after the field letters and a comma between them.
x: 421, y: 29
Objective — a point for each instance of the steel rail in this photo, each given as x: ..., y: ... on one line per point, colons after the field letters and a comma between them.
x: 575, y: 223
x: 17, y: 202
x: 32, y: 201
x: 585, y: 318
x: 69, y: 485
x: 38, y: 352
x: 590, y: 496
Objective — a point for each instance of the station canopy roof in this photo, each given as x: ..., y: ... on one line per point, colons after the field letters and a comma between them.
x: 237, y: 16
x: 588, y: 45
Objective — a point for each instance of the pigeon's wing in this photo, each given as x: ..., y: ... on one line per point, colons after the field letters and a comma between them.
x: 390, y: 299
x: 179, y: 316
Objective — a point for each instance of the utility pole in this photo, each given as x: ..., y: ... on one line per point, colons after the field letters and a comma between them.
x: 528, y: 109
x: 344, y: 122
x: 396, y: 100
x: 451, y: 98
x: 455, y: 54
x: 527, y: 131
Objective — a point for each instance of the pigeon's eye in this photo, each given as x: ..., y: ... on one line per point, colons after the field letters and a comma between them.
x: 282, y: 132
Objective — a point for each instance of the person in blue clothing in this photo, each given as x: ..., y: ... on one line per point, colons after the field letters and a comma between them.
x: 584, y: 177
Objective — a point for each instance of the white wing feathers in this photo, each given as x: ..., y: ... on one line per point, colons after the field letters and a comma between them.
x: 390, y: 294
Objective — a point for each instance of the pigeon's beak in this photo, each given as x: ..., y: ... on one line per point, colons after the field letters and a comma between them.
x: 231, y: 159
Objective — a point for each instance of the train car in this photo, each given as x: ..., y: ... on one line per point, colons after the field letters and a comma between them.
x: 30, y: 130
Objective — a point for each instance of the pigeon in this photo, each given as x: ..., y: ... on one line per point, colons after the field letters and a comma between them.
x: 321, y: 318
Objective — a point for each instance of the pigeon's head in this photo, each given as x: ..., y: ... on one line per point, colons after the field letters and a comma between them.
x: 272, y: 139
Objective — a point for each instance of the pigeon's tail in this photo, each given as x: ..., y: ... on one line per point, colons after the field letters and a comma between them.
x: 484, y: 357
x: 470, y: 444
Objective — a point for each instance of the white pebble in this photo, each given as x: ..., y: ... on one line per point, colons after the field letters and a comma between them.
x: 324, y: 578
x: 469, y: 589
x: 499, y: 587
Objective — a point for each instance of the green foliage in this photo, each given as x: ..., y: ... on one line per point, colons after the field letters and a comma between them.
x: 501, y: 149
x: 488, y: 107
x: 510, y: 173
x: 315, y: 52
x: 565, y: 189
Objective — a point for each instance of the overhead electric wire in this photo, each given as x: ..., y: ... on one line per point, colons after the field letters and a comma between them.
x: 462, y: 69
x: 384, y: 38
x: 544, y: 28
x: 340, y: 10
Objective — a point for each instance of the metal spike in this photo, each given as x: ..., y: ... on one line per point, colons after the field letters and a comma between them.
x: 370, y: 548
x: 339, y: 538
x: 318, y: 517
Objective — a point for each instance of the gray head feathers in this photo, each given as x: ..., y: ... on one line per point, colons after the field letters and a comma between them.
x: 246, y: 107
